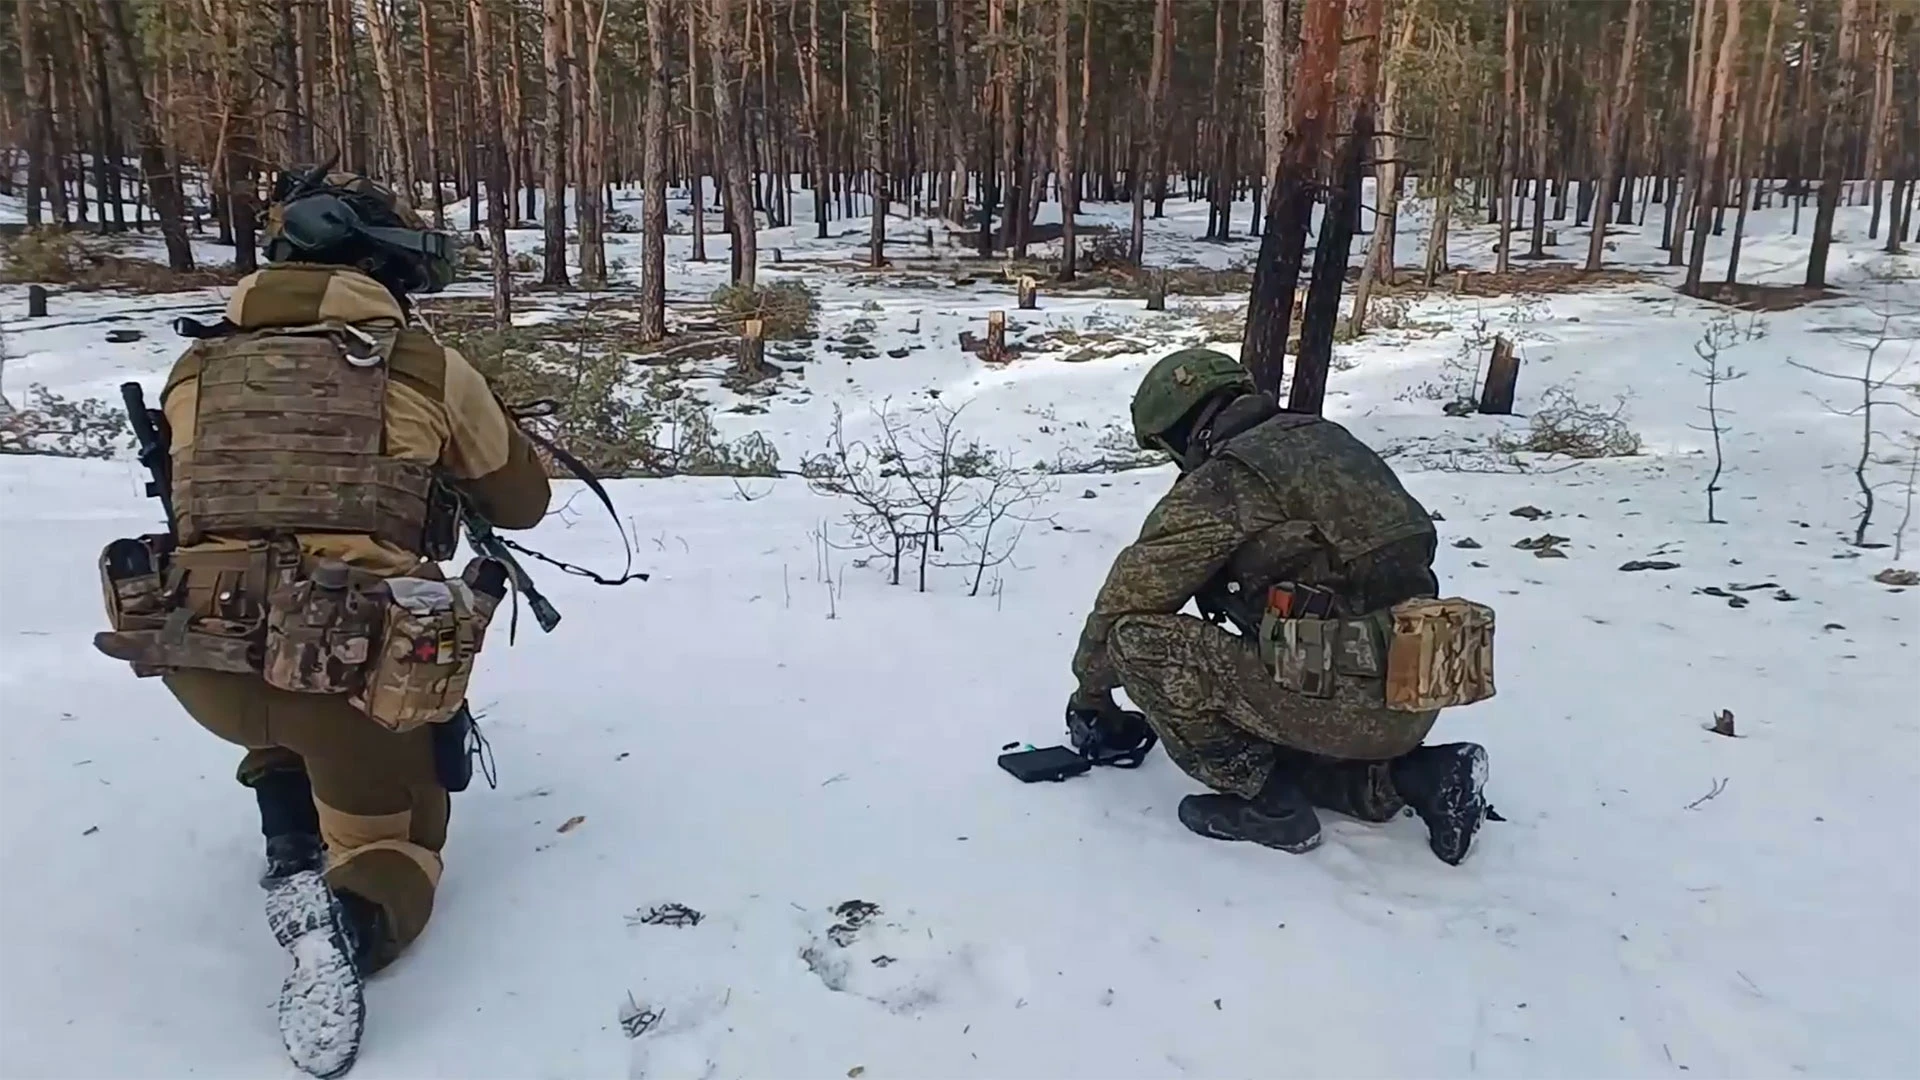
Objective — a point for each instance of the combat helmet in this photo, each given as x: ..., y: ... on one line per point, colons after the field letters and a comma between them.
x: 347, y: 219
x: 1178, y: 385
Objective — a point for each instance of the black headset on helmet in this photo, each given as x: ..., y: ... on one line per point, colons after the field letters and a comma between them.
x: 317, y: 217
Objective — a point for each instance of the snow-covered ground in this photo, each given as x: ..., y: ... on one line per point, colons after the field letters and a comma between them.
x: 766, y: 733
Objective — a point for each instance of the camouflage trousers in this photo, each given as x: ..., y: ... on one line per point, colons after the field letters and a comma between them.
x: 1228, y: 724
x: 382, y: 811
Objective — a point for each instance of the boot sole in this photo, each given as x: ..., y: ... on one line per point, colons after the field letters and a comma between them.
x: 322, y: 1007
x: 1463, y: 808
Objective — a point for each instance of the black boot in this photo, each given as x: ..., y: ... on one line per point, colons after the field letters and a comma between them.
x: 1279, y: 817
x: 1445, y: 786
x: 1362, y: 790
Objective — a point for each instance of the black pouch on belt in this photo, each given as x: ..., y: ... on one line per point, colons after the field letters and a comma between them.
x: 452, y: 757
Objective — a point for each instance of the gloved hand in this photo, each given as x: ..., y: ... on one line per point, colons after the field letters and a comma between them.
x: 1106, y: 734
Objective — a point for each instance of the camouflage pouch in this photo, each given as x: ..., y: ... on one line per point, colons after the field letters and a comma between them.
x: 1439, y: 654
x: 424, y: 658
x: 321, y: 632
x: 133, y: 580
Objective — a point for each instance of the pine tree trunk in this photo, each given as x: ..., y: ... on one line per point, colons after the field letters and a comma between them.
x: 1064, y: 174
x: 1379, y: 261
x: 286, y: 59
x: 494, y: 157
x: 724, y: 41
x: 1273, y: 84
x: 430, y: 100
x: 1879, y: 126
x: 590, y: 208
x: 1710, y: 186
x: 1744, y: 165
x: 1509, y: 144
x: 816, y: 144
x: 32, y: 77
x: 952, y: 16
x: 554, y: 142
x: 163, y: 188
x: 696, y: 153
x: 1322, y: 310
x: 1283, y: 242
x: 392, y: 107
x: 1536, y: 243
x: 876, y: 141
x: 653, y: 251
x: 1613, y: 133
x: 1839, y: 116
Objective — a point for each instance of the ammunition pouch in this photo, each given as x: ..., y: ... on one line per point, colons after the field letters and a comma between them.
x: 1428, y: 653
x: 401, y: 649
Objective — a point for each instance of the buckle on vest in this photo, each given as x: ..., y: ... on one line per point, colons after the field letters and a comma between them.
x: 367, y: 355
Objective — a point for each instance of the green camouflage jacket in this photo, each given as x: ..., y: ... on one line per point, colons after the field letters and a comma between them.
x: 1278, y: 497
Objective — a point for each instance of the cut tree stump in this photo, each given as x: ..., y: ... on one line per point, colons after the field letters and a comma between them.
x: 753, y: 347
x: 36, y: 302
x: 1552, y: 239
x: 1029, y: 293
x: 996, y: 338
x: 929, y: 236
x: 1503, y: 371
x: 1460, y: 283
x: 778, y: 255
x: 1156, y: 290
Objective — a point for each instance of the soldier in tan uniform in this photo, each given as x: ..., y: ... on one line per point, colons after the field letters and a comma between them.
x: 1290, y: 528
x: 314, y: 435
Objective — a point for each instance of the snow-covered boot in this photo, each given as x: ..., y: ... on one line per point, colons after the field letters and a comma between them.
x: 1445, y: 785
x: 1279, y: 817
x: 322, y: 1009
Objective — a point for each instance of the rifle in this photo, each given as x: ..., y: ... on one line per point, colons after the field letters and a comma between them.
x: 151, y: 431
x: 484, y: 540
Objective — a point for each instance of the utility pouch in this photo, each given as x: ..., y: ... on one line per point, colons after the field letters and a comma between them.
x: 321, y: 632
x: 423, y: 660
x: 1439, y: 654
x: 1307, y: 648
x: 133, y: 582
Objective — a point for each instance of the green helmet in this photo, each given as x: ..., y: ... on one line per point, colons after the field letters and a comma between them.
x: 1178, y: 384
x: 320, y: 216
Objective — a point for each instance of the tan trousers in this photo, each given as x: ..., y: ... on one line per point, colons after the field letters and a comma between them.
x: 383, y: 813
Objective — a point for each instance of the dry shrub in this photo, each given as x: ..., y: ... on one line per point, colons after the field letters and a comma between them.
x: 1106, y: 251
x: 72, y: 259
x: 1219, y: 323
x: 59, y: 426
x: 787, y: 308
x: 1565, y: 425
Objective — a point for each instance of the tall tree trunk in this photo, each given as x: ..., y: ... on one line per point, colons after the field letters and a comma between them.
x: 653, y: 251
x: 724, y: 40
x: 1283, y: 242
x: 1064, y: 176
x: 340, y: 43
x: 37, y: 108
x: 696, y: 152
x: 553, y: 60
x: 494, y: 155
x: 1879, y: 126
x: 1536, y: 243
x: 1613, y: 131
x: 1509, y: 143
x: 1712, y: 169
x: 1322, y: 313
x: 1839, y: 121
x: 952, y: 16
x: 1273, y: 84
x: 429, y: 100
x: 590, y: 207
x: 876, y: 142
x: 1379, y: 261
x: 1768, y: 98
x: 392, y: 91
x: 1147, y: 136
x: 810, y: 95
x: 163, y: 188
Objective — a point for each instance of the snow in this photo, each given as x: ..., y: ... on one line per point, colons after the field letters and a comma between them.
x: 765, y: 739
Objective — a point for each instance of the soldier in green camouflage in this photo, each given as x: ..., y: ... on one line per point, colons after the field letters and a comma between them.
x: 1265, y: 498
